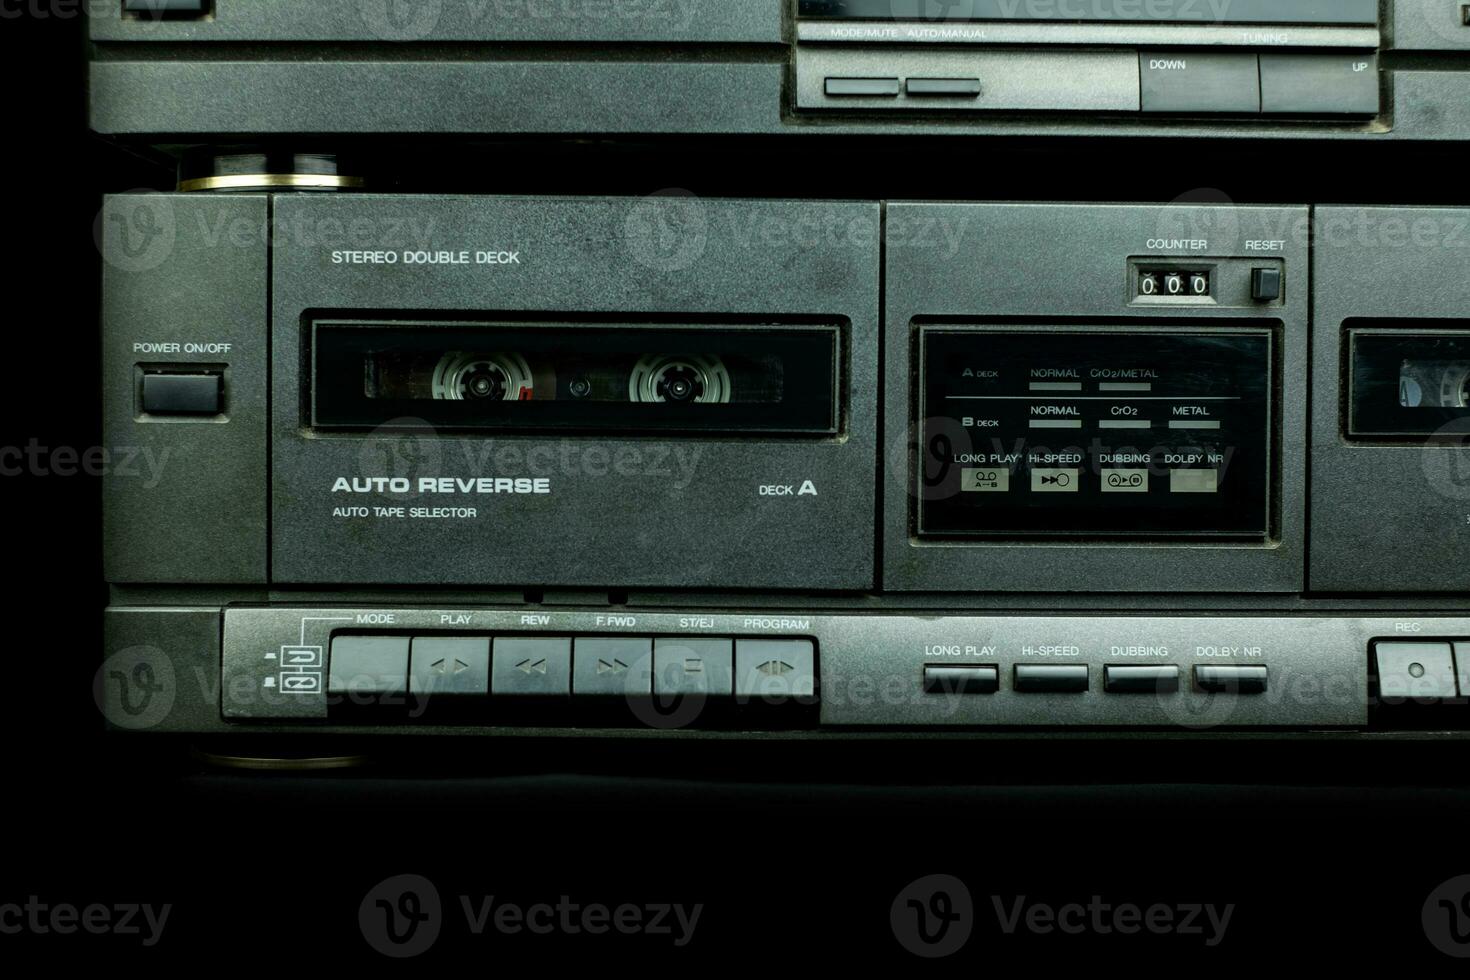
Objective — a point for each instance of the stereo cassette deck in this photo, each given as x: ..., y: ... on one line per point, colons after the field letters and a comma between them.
x: 494, y: 464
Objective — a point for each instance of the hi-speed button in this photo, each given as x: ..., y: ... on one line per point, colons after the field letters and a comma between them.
x: 1055, y: 481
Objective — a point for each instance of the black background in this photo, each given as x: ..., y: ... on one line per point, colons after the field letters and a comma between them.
x: 1327, y: 850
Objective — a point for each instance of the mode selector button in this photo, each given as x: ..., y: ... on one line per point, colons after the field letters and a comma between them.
x: 364, y: 667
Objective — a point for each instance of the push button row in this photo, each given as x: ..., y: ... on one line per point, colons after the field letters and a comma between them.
x: 548, y: 666
x: 890, y: 87
x: 1074, y: 679
x: 1305, y: 84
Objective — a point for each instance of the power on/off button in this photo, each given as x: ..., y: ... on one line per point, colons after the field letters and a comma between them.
x: 181, y: 394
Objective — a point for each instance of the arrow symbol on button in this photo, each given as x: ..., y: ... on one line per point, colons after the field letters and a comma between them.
x: 775, y: 668
x: 441, y: 666
x: 611, y: 667
x: 532, y: 666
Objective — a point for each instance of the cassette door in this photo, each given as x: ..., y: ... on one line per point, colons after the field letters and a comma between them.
x: 619, y: 393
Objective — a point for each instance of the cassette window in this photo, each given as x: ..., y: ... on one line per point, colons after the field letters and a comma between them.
x: 624, y: 379
x: 1408, y: 382
x: 1056, y: 432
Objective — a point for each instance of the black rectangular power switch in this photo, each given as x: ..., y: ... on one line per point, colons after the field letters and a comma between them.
x: 182, y: 394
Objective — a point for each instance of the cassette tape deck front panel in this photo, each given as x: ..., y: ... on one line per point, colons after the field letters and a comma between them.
x: 746, y: 296
x: 422, y: 403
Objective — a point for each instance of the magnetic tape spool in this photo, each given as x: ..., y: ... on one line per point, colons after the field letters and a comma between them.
x: 689, y: 379
x: 462, y: 376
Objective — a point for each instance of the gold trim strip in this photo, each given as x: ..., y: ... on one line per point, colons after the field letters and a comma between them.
x: 244, y: 181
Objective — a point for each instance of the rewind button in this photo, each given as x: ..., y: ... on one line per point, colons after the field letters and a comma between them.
x: 532, y: 665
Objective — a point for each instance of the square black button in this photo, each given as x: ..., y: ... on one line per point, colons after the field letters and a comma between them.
x: 181, y: 394
x: 1265, y: 285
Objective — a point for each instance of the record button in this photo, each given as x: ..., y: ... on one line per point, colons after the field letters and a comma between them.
x: 1415, y: 670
